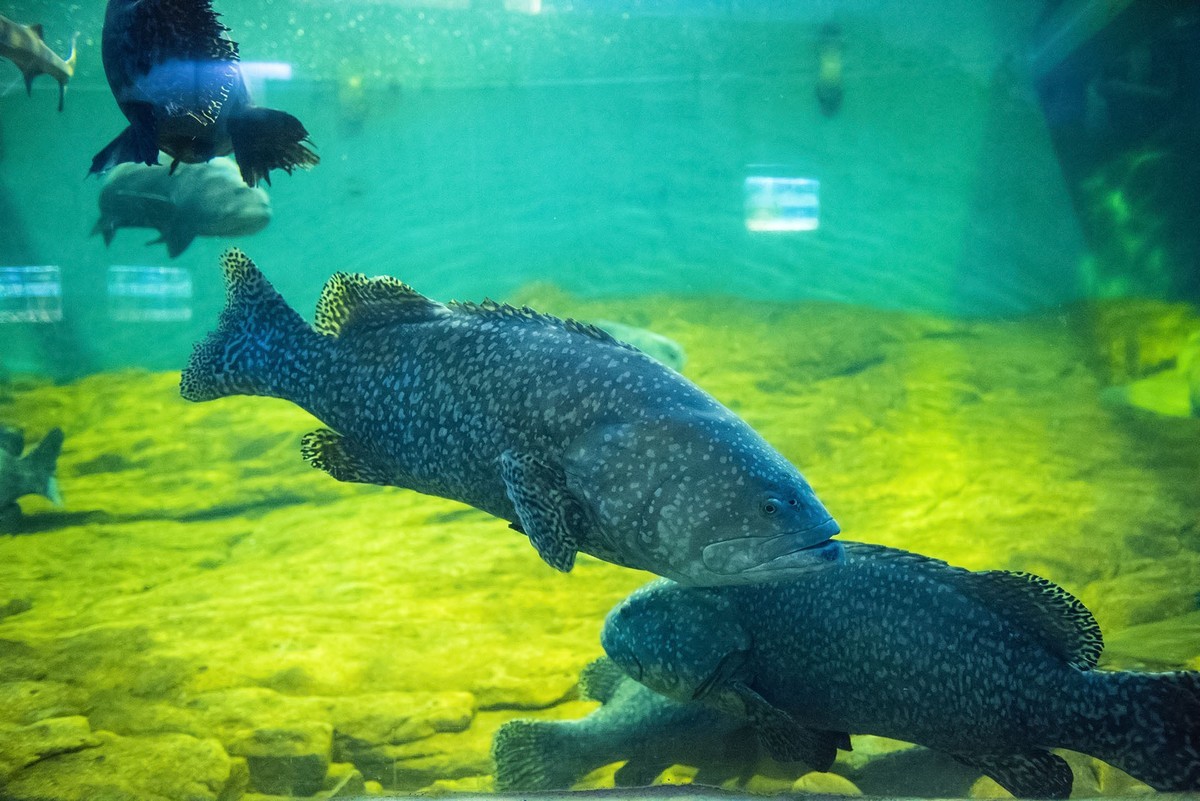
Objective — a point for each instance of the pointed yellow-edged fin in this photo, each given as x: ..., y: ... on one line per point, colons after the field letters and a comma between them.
x: 354, y: 301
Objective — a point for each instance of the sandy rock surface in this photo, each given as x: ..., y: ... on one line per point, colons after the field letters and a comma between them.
x: 208, y: 617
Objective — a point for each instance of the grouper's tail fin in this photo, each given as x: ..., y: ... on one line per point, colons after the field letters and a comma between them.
x: 261, y: 345
x: 42, y: 463
x: 1151, y: 729
x: 535, y: 756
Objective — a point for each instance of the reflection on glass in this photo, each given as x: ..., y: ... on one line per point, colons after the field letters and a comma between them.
x: 149, y: 294
x: 30, y: 294
x: 775, y: 203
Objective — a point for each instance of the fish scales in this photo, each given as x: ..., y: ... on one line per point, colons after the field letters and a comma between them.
x: 992, y: 668
x: 582, y: 442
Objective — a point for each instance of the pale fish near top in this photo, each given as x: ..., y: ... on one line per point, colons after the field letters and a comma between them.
x: 583, y: 443
x: 208, y: 199
x: 993, y: 668
x: 25, y: 46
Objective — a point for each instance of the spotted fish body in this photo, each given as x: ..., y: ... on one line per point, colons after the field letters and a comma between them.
x: 993, y: 668
x: 583, y: 443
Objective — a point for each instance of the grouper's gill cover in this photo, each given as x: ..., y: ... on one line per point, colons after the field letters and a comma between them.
x: 581, y: 442
x: 992, y: 668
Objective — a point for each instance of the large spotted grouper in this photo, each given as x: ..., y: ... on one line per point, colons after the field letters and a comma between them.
x: 993, y: 668
x: 581, y: 442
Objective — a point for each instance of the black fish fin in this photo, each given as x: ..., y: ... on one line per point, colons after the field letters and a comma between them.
x: 177, y: 237
x: 545, y: 506
x: 599, y: 680
x: 136, y: 143
x: 534, y: 755
x: 38, y: 31
x: 524, y: 314
x: 330, y: 451
x: 1041, y: 607
x: 265, y: 139
x: 260, y: 344
x: 352, y: 302
x: 41, y: 464
x: 12, y: 440
x: 29, y: 75
x: 1032, y: 774
x: 784, y: 739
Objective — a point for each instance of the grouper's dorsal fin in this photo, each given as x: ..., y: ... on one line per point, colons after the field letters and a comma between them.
x: 352, y: 301
x: 1039, y: 606
x: 524, y: 314
x: 599, y: 680
x: 1059, y: 619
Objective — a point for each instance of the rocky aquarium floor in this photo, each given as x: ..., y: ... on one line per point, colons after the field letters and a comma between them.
x: 210, y: 618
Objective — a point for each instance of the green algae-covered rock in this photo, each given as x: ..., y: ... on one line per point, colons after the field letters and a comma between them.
x: 25, y: 702
x: 169, y: 767
x: 343, y: 781
x: 286, y: 761
x: 825, y: 784
x: 21, y: 746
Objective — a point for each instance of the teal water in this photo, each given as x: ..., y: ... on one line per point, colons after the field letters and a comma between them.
x: 603, y: 149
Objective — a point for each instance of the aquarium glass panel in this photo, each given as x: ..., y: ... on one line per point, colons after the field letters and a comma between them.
x: 540, y: 398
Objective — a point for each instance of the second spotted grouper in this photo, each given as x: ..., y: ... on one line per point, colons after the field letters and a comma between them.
x: 993, y: 668
x: 581, y: 442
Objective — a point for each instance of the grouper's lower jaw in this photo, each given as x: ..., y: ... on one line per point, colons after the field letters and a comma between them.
x: 754, y: 559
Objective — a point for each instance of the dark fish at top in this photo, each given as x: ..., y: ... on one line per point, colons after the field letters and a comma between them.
x: 25, y: 46
x: 207, y: 199
x: 582, y: 442
x: 32, y: 474
x: 993, y: 668
x: 178, y: 80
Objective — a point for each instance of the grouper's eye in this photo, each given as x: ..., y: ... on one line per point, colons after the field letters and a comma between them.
x: 770, y: 506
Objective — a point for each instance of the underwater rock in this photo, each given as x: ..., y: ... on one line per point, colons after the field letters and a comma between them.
x: 824, y: 784
x: 21, y: 746
x: 396, y: 718
x: 343, y: 780
x: 1167, y: 642
x: 1136, y: 338
x: 16, y: 606
x: 27, y: 702
x: 287, y: 761
x: 238, y: 783
x: 170, y: 767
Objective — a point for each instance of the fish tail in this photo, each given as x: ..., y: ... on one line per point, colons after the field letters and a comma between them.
x: 1150, y: 728
x: 536, y: 755
x: 42, y: 463
x: 265, y: 139
x: 261, y: 344
x: 69, y: 69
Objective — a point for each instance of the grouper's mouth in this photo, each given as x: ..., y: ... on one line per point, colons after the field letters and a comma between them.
x: 761, y: 558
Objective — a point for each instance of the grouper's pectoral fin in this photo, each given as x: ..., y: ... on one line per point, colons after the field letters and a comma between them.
x: 330, y: 451
x: 549, y: 514
x: 780, y: 735
x: 1030, y: 774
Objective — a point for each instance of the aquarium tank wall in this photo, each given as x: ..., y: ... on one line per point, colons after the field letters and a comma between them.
x: 870, y: 328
